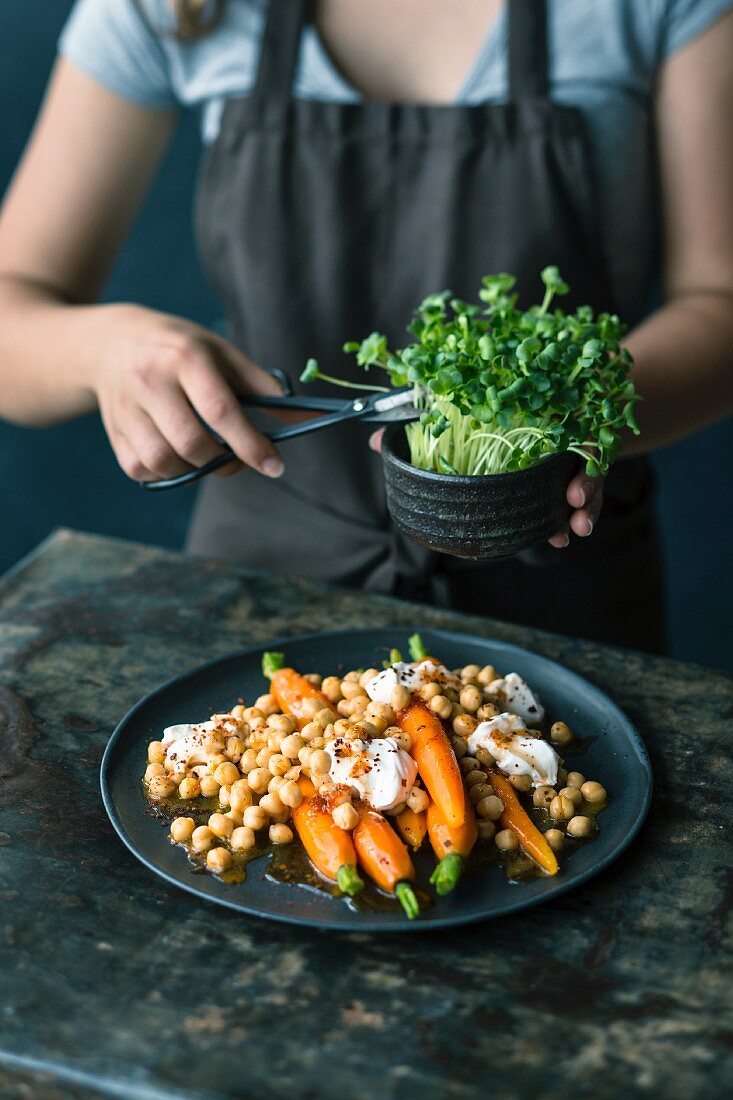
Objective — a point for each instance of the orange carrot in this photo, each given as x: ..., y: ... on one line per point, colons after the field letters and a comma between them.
x: 329, y: 848
x: 516, y: 818
x: 412, y: 827
x: 451, y: 846
x: 435, y: 761
x: 385, y: 858
x: 293, y: 693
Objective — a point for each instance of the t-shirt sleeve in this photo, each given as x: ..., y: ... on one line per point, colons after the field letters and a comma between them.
x: 115, y: 42
x: 684, y: 20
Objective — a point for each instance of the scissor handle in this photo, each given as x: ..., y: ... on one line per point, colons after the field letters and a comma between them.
x: 340, y: 414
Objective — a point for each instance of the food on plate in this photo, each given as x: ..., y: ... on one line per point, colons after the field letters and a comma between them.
x: 362, y: 771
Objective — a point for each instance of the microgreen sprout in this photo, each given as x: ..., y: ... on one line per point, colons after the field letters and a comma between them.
x: 502, y: 388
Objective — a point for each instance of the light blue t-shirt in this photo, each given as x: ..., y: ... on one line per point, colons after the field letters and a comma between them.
x: 604, y: 58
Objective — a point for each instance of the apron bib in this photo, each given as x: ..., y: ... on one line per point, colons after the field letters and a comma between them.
x: 319, y: 222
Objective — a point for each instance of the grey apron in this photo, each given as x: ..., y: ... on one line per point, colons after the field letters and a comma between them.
x: 319, y: 222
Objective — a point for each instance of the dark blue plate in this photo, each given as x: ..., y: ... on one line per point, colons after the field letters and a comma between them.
x: 615, y: 756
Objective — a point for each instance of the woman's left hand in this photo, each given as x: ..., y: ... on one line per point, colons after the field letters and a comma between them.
x: 585, y: 497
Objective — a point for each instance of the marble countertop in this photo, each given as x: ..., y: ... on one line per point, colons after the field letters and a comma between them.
x: 114, y: 984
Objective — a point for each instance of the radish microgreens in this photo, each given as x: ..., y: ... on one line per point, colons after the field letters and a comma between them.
x: 503, y: 388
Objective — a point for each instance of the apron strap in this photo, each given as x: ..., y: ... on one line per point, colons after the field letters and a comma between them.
x: 279, y: 55
x: 528, y: 62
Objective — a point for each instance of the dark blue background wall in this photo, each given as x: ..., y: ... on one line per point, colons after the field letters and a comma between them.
x: 68, y: 475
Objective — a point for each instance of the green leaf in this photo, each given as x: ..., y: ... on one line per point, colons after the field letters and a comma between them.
x: 311, y: 371
x: 416, y: 647
x: 272, y: 663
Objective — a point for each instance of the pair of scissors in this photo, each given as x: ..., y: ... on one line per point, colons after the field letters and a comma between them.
x: 379, y: 408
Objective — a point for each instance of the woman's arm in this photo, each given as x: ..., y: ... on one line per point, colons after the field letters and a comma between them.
x: 684, y: 351
x: 84, y: 175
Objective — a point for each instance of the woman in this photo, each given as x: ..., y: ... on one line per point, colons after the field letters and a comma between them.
x: 353, y: 165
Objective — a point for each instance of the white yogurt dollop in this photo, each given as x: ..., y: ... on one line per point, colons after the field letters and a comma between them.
x: 505, y: 737
x: 185, y: 746
x: 517, y: 697
x: 380, y: 770
x: 412, y: 676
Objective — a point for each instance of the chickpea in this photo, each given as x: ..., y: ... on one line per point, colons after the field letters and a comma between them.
x: 441, y: 706
x: 250, y: 714
x: 240, y: 799
x: 202, y: 838
x: 320, y: 762
x: 275, y: 783
x: 471, y: 698
x: 314, y: 678
x: 282, y: 723
x: 574, y: 795
x: 593, y: 792
x: 486, y: 675
x: 521, y: 782
x: 331, y: 688
x: 459, y: 747
x: 486, y: 829
x: 238, y: 712
x: 290, y: 794
x: 488, y: 710
x: 293, y: 773
x: 377, y: 722
x: 342, y: 708
x: 242, y: 839
x: 430, y: 690
x: 310, y: 730
x: 555, y: 838
x: 248, y: 761
x: 476, y: 775
x: 490, y: 807
x: 353, y: 707
x: 240, y: 785
x: 367, y: 676
x: 324, y: 718
x: 350, y: 690
x: 254, y: 817
x: 291, y: 746
x: 263, y: 756
x: 485, y: 757
x: 580, y: 826
x: 225, y: 797
x: 561, y: 808
x: 470, y: 672
x: 464, y: 724
x: 342, y: 727
x: 182, y: 828
x: 311, y: 707
x: 418, y: 800
x: 218, y: 860
x: 543, y: 796
x: 266, y: 705
x: 345, y: 816
x: 236, y: 817
x: 278, y: 764
x: 560, y: 733
x: 506, y: 841
x: 281, y: 834
x: 396, y: 810
x: 304, y: 755
x: 272, y: 804
x: 317, y: 743
x: 209, y: 786
x: 221, y: 825
x: 214, y: 762
x: 575, y: 779
x: 468, y: 764
x: 259, y: 779
x: 152, y: 770
x: 400, y: 697
x: 480, y: 791
x: 274, y: 740
x: 189, y: 787
x: 156, y: 752
x: 226, y: 774
x: 366, y: 730
x: 402, y: 737
x: 161, y: 786
x: 352, y: 677
x: 234, y: 749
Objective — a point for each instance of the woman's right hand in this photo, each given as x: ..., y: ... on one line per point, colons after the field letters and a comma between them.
x: 153, y: 373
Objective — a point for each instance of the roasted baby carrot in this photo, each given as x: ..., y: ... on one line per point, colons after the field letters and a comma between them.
x: 516, y: 818
x: 412, y: 827
x: 292, y: 691
x: 385, y: 858
x: 436, y: 761
x: 452, y: 846
x: 329, y: 848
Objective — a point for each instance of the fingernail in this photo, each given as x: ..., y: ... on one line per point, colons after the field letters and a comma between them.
x: 590, y: 526
x: 273, y: 467
x: 583, y: 497
x: 566, y: 542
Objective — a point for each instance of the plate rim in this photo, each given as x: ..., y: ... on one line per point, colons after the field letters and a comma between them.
x: 370, y: 923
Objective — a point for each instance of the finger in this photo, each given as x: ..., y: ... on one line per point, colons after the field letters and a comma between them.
x: 233, y: 467
x: 129, y: 461
x: 150, y: 447
x: 216, y: 403
x: 560, y: 539
x: 582, y: 489
x: 375, y: 440
x: 584, y: 520
x: 171, y: 412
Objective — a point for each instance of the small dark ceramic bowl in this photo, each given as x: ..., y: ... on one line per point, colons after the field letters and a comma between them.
x: 490, y: 516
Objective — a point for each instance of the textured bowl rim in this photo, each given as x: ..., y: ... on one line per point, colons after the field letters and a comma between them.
x: 458, y: 479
